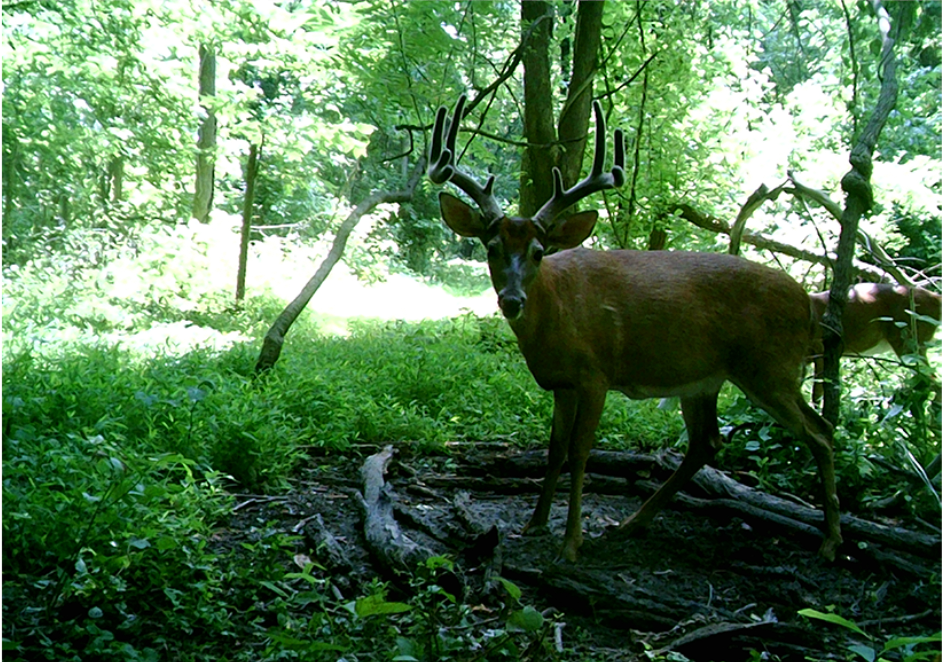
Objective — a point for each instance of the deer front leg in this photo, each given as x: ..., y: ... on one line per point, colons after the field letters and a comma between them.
x: 564, y: 414
x: 704, y: 437
x: 588, y: 413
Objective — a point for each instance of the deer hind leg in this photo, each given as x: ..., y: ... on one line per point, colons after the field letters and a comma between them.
x: 564, y: 415
x: 789, y: 408
x: 588, y: 412
x: 704, y: 440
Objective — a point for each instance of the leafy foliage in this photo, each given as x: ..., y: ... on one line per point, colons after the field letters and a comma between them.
x: 906, y: 646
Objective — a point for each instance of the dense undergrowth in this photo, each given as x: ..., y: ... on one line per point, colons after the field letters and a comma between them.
x: 120, y: 459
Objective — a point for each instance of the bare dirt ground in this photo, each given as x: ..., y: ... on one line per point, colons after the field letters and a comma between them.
x: 711, y: 578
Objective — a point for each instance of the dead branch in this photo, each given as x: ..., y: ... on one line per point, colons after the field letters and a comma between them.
x: 396, y: 552
x: 713, y: 224
x: 715, y: 491
x: 756, y: 200
x: 275, y: 338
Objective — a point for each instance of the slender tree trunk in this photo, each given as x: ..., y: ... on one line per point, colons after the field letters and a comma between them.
x: 546, y: 147
x: 116, y: 178
x: 275, y: 338
x: 574, y: 117
x: 625, y: 236
x: 536, y: 178
x: 9, y: 173
x: 856, y: 184
x: 205, y: 160
x: 251, y: 174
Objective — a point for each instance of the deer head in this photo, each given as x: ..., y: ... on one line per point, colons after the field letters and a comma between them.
x: 515, y: 245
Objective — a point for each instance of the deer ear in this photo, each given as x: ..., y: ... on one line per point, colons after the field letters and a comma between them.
x: 573, y: 230
x: 461, y: 217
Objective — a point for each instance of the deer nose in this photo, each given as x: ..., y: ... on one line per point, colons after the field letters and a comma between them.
x: 511, y: 305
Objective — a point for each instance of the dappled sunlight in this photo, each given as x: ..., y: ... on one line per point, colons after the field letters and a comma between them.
x: 282, y: 267
x: 399, y: 297
x: 185, y: 277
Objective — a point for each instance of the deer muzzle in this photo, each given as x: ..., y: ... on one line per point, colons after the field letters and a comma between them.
x: 511, y: 303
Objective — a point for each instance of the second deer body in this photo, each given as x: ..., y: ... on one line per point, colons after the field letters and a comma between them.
x: 648, y: 324
x: 879, y: 317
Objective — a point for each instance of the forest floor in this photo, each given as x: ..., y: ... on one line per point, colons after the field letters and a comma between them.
x: 707, y: 581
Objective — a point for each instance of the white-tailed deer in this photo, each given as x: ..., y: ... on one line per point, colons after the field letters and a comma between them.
x: 647, y: 323
x: 880, y: 318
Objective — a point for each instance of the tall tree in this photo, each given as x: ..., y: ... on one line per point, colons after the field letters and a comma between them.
x: 539, y: 129
x: 248, y: 204
x: 206, y: 142
x: 549, y: 145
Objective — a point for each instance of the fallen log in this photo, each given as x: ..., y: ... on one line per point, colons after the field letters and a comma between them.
x: 384, y: 538
x: 708, y: 482
x: 854, y: 528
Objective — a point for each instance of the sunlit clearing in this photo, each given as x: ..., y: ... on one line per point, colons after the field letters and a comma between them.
x: 170, y: 289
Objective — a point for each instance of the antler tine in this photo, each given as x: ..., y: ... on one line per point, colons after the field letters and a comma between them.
x: 440, y: 169
x: 597, y: 180
x: 442, y: 166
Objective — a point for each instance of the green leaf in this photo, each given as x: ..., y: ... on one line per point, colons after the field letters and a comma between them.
x: 866, y: 652
x: 832, y: 618
x: 911, y: 641
x: 166, y: 542
x: 139, y: 543
x: 276, y: 589
x: 435, y: 562
x: 511, y: 588
x: 376, y: 605
x: 527, y: 619
x: 406, y: 650
x: 299, y: 644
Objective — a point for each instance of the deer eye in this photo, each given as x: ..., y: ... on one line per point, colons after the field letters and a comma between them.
x: 493, y: 250
x: 536, y: 252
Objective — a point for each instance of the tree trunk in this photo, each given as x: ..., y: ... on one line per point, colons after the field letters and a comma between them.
x: 251, y: 173
x: 574, y: 117
x: 205, y: 166
x: 856, y: 184
x: 544, y: 151
x: 116, y: 178
x: 536, y: 177
x: 9, y: 171
x: 275, y: 338
x: 624, y: 238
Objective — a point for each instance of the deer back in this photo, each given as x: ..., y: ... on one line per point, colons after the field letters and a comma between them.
x: 659, y: 323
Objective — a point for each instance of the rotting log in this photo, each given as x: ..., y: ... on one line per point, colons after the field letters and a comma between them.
x: 384, y: 538
x: 712, y: 489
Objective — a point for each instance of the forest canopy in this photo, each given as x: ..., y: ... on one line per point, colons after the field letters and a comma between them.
x: 102, y: 111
